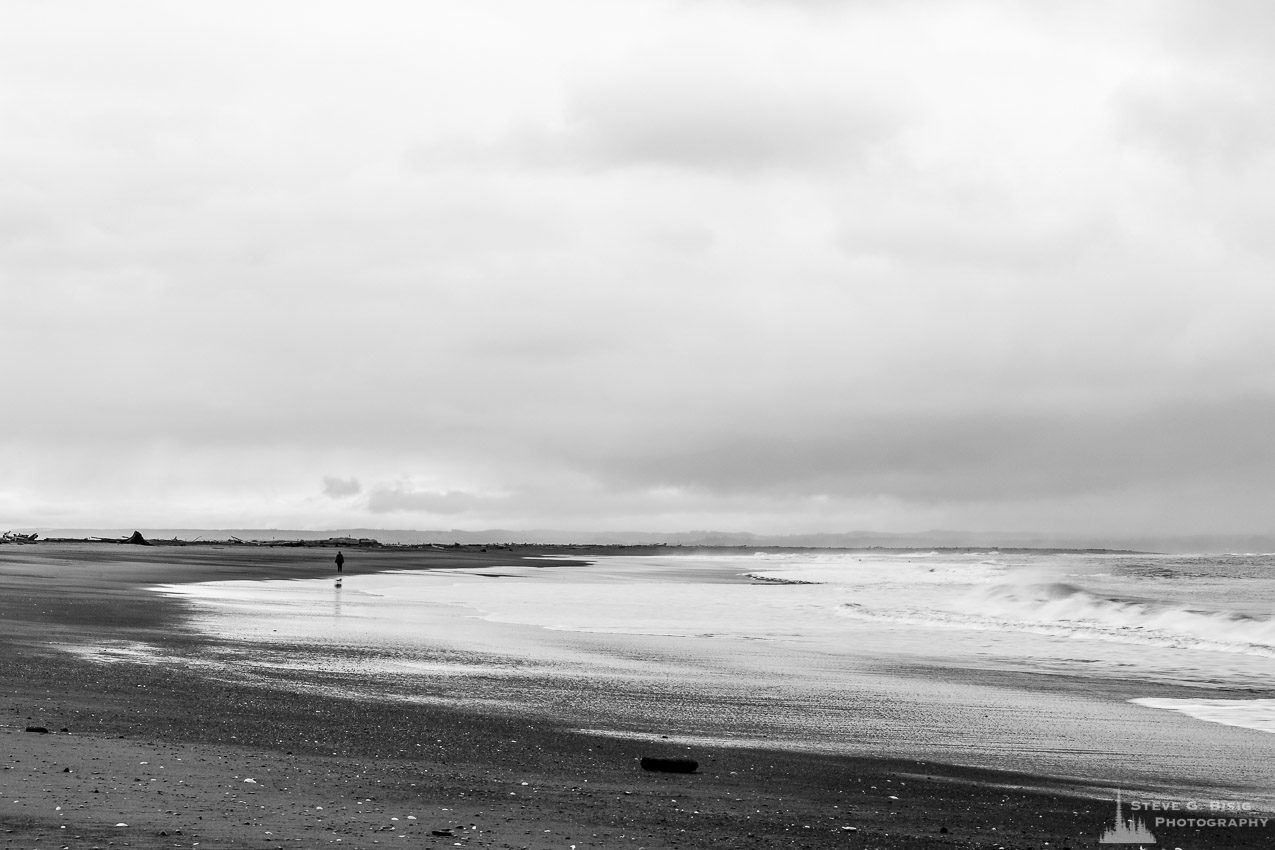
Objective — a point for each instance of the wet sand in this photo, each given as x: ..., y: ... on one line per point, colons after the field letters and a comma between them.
x: 169, y: 752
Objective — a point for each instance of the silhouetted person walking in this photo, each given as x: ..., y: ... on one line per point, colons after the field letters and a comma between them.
x: 340, y: 561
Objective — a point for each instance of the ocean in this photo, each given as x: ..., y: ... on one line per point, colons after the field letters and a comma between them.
x: 1140, y: 671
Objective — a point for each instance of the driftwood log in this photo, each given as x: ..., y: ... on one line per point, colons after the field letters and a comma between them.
x: 673, y: 765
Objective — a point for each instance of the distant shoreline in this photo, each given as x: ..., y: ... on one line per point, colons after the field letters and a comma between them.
x: 1130, y: 542
x: 539, y: 547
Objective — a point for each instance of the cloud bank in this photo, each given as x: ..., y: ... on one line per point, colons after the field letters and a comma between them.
x: 662, y: 265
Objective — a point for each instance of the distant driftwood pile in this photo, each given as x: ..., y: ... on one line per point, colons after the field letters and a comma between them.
x: 345, y: 542
x: 137, y: 539
x: 351, y: 542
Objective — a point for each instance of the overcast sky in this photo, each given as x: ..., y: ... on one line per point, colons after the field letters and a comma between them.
x: 767, y: 265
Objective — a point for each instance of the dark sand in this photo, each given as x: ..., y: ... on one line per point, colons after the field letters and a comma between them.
x: 148, y: 756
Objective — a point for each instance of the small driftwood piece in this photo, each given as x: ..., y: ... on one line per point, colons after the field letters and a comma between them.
x: 666, y: 765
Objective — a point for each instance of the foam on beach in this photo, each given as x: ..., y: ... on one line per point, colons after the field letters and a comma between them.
x: 1257, y: 714
x: 1017, y: 662
x: 1112, y: 613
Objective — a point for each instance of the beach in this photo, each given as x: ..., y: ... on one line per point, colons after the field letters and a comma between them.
x: 189, y: 736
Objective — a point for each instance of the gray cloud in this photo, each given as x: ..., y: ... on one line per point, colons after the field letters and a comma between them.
x: 1239, y: 31
x: 1221, y: 126
x: 727, y: 125
x: 340, y: 488
x: 986, y: 236
x: 383, y: 500
x: 971, y: 455
x: 714, y: 124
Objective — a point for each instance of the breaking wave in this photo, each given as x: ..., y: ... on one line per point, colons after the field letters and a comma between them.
x: 1066, y: 610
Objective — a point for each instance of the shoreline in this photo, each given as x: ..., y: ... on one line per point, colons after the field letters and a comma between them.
x: 531, y: 547
x: 444, y: 767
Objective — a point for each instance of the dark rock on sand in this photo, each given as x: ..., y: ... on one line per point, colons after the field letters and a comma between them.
x: 39, y: 729
x: 138, y: 539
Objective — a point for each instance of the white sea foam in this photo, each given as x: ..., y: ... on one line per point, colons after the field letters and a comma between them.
x: 809, y: 598
x: 991, y: 594
x: 1116, y: 619
x: 1065, y: 610
x: 872, y: 653
x: 1258, y: 714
